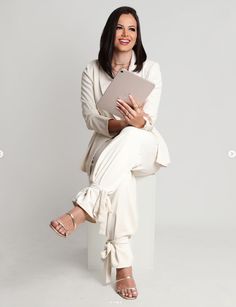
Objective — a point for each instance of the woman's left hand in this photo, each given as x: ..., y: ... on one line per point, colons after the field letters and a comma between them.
x: 132, y: 115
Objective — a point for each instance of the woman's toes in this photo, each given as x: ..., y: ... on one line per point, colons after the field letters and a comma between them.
x: 54, y: 223
x: 59, y: 227
x: 62, y: 230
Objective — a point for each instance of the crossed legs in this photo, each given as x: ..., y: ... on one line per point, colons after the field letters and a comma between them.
x: 132, y: 152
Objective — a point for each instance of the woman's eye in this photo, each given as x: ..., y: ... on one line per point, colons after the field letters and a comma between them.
x: 132, y: 29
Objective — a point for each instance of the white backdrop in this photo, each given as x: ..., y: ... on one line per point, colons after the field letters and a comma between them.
x: 45, y: 45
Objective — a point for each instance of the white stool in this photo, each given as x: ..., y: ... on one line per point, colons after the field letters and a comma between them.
x: 143, y: 241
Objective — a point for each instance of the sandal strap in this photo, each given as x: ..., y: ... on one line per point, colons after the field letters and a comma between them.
x: 126, y: 277
x: 73, y: 219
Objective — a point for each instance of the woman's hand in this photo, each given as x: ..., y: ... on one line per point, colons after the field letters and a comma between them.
x: 132, y: 115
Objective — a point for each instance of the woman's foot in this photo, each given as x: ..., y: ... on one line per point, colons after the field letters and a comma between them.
x: 126, y: 283
x: 79, y: 217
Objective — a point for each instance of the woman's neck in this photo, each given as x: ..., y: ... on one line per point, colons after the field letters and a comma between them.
x: 122, y: 58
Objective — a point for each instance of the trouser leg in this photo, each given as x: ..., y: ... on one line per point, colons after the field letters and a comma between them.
x: 121, y: 225
x: 123, y: 221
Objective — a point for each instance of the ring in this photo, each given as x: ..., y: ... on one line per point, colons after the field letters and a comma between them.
x: 127, y: 113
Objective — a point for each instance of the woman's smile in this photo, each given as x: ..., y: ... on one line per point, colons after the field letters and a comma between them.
x: 124, y: 41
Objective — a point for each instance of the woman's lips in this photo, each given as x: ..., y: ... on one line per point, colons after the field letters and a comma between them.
x: 124, y: 41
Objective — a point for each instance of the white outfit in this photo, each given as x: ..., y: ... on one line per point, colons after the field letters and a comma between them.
x: 114, y: 160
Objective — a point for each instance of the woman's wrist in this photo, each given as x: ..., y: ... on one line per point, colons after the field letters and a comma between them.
x: 115, y: 125
x: 123, y: 124
x: 143, y: 123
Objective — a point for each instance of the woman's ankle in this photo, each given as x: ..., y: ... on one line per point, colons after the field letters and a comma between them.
x: 122, y: 272
x: 79, y: 214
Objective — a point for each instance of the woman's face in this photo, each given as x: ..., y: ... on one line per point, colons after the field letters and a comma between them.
x: 126, y: 33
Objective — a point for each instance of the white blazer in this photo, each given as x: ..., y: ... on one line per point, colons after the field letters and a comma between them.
x: 94, y: 82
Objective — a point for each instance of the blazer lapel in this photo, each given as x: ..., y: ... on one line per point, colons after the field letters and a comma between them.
x: 105, y: 80
x: 132, y: 65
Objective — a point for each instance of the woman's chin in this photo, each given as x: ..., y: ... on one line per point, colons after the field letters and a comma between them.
x: 123, y: 48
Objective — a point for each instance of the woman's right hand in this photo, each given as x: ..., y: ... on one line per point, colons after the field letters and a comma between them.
x: 134, y: 115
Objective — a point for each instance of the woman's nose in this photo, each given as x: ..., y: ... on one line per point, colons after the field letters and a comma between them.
x: 124, y: 32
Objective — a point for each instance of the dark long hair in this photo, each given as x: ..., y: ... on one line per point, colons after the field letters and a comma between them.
x: 108, y: 37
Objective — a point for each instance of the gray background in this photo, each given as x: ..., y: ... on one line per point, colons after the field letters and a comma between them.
x: 45, y: 45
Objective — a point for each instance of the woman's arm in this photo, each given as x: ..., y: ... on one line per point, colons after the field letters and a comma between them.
x: 115, y: 125
x: 94, y: 120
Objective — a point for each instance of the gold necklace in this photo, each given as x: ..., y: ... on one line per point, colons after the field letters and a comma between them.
x: 127, y: 64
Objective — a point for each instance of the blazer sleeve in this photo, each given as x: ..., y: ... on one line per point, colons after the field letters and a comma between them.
x: 152, y: 102
x: 94, y: 121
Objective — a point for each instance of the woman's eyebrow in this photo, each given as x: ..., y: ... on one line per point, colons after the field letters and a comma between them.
x: 122, y: 25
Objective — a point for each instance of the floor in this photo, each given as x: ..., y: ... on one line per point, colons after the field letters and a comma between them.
x: 194, y: 267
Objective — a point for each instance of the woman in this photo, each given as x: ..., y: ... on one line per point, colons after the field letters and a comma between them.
x: 120, y: 149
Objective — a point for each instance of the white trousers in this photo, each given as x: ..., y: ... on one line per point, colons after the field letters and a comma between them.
x: 110, y: 199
